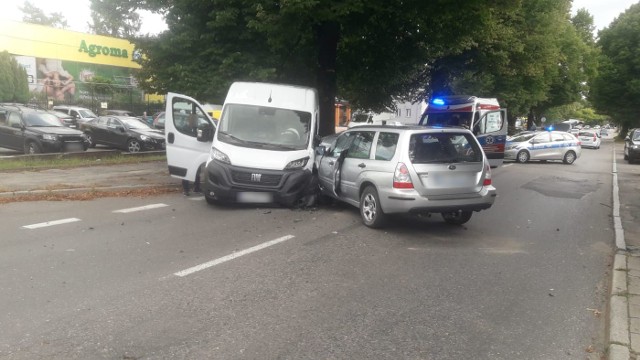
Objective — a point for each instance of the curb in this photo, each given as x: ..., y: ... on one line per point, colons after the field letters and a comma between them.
x: 102, y: 189
x: 619, y: 338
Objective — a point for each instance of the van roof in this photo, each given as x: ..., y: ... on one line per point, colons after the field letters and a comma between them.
x: 273, y: 95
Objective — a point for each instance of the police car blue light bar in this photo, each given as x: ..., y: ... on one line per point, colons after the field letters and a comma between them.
x: 437, y: 101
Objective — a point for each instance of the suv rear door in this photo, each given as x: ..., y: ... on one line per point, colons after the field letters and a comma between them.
x: 446, y: 163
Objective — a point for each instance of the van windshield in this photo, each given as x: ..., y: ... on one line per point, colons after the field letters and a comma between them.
x: 265, y: 127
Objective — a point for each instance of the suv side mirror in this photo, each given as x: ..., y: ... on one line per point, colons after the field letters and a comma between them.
x: 321, y: 150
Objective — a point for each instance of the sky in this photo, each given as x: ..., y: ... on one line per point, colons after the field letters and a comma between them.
x: 77, y: 12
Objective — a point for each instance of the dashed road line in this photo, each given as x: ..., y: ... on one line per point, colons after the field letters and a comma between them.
x: 140, y: 208
x: 229, y: 257
x: 50, y: 223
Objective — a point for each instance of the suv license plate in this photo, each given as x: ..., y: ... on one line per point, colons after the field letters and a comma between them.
x: 254, y: 197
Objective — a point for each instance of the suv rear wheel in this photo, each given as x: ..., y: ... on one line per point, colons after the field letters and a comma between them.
x: 456, y: 217
x: 370, y: 209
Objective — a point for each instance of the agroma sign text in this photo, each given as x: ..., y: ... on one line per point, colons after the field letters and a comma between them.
x: 94, y: 50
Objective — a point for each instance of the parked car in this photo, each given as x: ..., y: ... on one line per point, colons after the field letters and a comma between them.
x: 590, y: 138
x: 632, y: 145
x: 546, y: 145
x: 79, y: 113
x: 65, y: 119
x: 122, y: 132
x: 386, y: 170
x: 118, y: 113
x: 34, y: 131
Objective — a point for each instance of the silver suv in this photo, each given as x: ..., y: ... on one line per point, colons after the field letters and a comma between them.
x: 80, y: 114
x: 406, y: 169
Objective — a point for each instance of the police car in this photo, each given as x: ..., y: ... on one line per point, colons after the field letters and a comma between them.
x: 543, y: 145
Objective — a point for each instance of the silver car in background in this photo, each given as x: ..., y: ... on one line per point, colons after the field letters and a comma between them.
x: 406, y: 169
x: 543, y: 145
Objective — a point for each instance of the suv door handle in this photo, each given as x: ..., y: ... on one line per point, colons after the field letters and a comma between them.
x: 362, y: 165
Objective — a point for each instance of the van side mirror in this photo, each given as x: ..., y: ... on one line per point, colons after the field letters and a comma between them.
x: 205, y: 133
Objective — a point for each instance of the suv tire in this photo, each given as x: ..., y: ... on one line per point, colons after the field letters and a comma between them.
x: 32, y: 147
x: 370, y: 209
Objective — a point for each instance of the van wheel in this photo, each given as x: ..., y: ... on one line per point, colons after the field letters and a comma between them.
x: 456, y: 217
x: 134, y: 146
x: 32, y: 148
x: 522, y: 157
x: 370, y: 209
x: 569, y: 157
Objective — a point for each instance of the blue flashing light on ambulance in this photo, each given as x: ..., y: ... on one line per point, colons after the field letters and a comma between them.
x: 483, y: 116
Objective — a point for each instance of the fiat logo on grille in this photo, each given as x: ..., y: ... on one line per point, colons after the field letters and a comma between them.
x: 256, y: 177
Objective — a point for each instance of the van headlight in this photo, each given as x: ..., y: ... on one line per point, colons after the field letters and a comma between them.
x: 297, y: 164
x: 50, y: 137
x: 220, y: 156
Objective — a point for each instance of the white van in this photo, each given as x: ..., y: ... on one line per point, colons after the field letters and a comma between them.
x: 262, y: 150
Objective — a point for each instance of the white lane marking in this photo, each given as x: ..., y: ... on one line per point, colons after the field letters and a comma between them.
x: 51, y: 223
x: 507, y: 165
x: 146, y: 207
x: 229, y: 257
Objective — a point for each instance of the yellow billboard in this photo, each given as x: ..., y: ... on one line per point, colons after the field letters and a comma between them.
x: 40, y: 41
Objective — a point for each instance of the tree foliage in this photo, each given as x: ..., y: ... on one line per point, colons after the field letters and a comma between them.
x: 529, y: 54
x: 116, y: 18
x: 616, y: 89
x: 34, y: 15
x: 13, y: 80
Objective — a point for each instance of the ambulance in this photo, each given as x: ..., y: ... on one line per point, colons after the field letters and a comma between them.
x: 483, y: 116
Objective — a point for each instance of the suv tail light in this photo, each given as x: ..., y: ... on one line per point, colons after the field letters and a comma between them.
x: 487, y: 175
x: 402, y: 178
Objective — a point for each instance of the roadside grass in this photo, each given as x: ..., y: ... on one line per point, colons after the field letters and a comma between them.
x: 62, y: 161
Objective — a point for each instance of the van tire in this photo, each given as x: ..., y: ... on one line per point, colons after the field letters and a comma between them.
x: 456, y: 217
x: 370, y: 209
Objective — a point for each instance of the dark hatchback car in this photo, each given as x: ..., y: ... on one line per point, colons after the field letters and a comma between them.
x: 632, y: 145
x: 34, y: 131
x: 123, y: 132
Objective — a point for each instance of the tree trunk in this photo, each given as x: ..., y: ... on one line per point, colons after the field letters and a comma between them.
x: 327, y: 35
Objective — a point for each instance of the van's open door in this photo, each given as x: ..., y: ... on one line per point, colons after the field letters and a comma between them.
x: 187, y: 148
x: 491, y: 132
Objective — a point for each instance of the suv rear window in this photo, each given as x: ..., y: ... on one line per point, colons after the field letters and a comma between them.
x: 427, y: 148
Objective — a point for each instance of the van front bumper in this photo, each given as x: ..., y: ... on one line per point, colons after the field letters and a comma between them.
x: 228, y: 183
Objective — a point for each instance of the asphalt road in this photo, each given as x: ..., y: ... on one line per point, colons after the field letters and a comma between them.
x: 526, y: 279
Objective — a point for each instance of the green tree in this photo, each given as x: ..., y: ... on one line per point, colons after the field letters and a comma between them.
x: 364, y: 51
x: 616, y: 89
x: 14, y: 85
x: 116, y: 18
x: 531, y: 58
x: 35, y: 15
